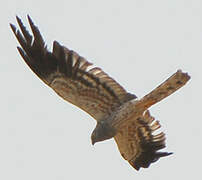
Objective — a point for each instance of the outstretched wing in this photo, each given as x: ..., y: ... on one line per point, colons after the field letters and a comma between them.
x: 69, y: 75
x: 138, y: 144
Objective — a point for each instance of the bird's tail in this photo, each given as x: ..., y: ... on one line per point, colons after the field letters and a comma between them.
x: 172, y: 84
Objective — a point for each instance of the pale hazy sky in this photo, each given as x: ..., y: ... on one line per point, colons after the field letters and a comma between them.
x: 138, y: 42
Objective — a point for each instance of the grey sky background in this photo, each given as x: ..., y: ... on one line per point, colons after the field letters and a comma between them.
x: 139, y: 43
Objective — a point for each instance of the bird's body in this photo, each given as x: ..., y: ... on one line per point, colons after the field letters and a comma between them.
x: 118, y: 113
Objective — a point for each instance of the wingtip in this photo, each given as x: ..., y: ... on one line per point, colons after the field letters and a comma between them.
x: 170, y: 153
x: 17, y: 18
x: 13, y: 28
x: 30, y: 20
x: 56, y: 43
x: 28, y: 16
x: 163, y: 154
x: 141, y: 164
x: 19, y: 21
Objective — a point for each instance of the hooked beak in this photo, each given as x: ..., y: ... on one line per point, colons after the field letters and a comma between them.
x: 93, y: 142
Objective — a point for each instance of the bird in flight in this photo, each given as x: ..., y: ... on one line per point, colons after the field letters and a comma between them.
x: 119, y: 114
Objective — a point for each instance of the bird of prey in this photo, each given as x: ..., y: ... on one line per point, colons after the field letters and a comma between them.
x: 119, y: 114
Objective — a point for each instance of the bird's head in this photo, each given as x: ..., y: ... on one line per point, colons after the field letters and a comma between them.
x: 102, y: 131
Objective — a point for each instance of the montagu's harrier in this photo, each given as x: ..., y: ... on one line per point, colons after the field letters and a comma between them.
x: 118, y: 113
